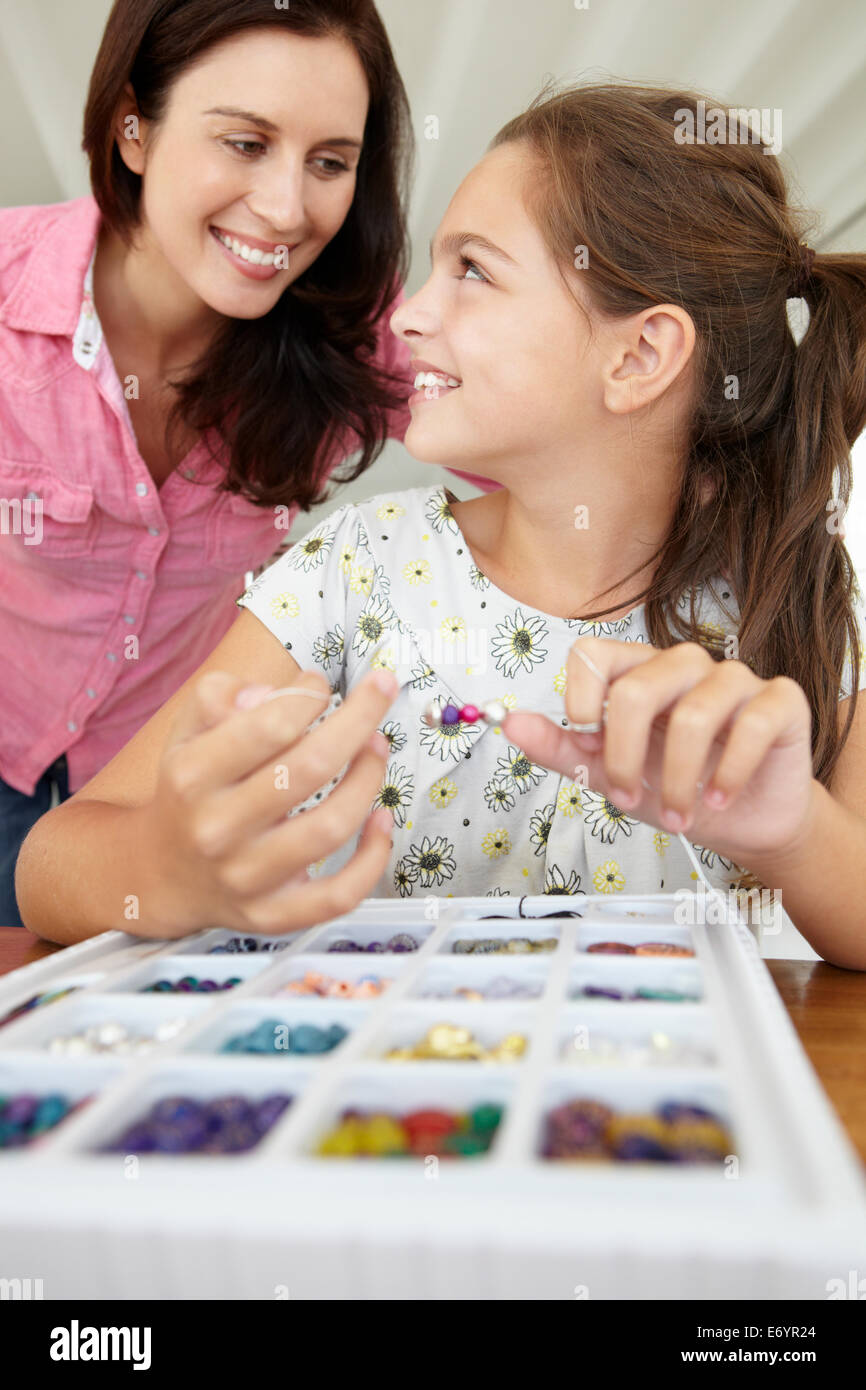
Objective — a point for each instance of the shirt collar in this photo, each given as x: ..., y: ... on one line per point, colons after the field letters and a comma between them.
x: 48, y: 294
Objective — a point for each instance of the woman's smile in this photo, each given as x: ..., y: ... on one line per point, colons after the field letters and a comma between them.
x: 252, y: 257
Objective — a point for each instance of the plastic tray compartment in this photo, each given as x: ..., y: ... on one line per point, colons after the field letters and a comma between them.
x: 203, y: 942
x: 625, y: 930
x: 351, y: 966
x: 175, y: 967
x: 367, y: 928
x: 399, y: 1090
x: 75, y: 983
x: 489, y: 1023
x: 535, y: 909
x: 138, y: 1013
x: 479, y: 972
x: 583, y: 1020
x: 244, y: 1015
x: 633, y: 909
x: 83, y: 1080
x: 200, y: 1079
x: 502, y: 931
x: 637, y: 1092
x: 630, y: 973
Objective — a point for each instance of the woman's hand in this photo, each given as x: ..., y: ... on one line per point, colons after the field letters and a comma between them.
x: 676, y: 717
x: 229, y: 776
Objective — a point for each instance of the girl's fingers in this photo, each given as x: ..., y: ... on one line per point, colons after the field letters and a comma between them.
x: 263, y: 861
x: 304, y: 902
x: 550, y: 745
x: 585, y: 691
x: 694, y: 725
x: 778, y: 716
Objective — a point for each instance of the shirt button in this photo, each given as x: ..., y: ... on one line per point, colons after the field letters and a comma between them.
x: 141, y: 574
x: 141, y: 489
x: 32, y: 497
x: 91, y: 693
x: 110, y: 656
x: 128, y: 618
x: 153, y: 530
x: 72, y: 726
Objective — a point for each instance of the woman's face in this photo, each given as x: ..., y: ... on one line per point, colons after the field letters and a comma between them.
x: 505, y: 326
x: 259, y: 143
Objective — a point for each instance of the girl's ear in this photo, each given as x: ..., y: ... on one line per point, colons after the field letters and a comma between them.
x: 128, y: 132
x: 651, y: 350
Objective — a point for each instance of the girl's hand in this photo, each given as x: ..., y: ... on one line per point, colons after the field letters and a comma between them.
x: 676, y: 717
x: 218, y: 826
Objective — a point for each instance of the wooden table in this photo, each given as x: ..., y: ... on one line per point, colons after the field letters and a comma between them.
x: 827, y: 1007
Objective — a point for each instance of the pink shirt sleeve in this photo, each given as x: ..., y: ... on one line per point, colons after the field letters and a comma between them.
x: 394, y: 355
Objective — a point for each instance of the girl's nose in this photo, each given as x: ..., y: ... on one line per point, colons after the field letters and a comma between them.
x: 416, y: 317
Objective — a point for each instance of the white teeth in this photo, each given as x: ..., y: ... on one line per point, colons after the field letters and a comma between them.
x: 434, y: 379
x: 254, y: 255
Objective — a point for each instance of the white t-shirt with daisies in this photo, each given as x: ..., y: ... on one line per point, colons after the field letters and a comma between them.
x: 391, y: 582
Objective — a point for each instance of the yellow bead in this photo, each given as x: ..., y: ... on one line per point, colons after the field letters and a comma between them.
x: 343, y: 1141
x: 383, y: 1135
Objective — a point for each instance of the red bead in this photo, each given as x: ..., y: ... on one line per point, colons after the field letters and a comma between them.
x: 470, y: 714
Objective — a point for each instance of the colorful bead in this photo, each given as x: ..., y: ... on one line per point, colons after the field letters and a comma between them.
x: 399, y: 943
x: 515, y: 945
x: 325, y: 986
x: 273, y: 1036
x: 189, y: 985
x: 113, y: 1037
x: 662, y: 948
x: 445, y: 1042
x: 586, y: 1129
x: 419, y: 1134
x: 179, y: 1124
x: 36, y: 1001
x: 491, y: 712
x: 25, y: 1117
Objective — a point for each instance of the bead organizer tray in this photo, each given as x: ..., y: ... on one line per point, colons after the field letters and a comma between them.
x: 779, y: 1215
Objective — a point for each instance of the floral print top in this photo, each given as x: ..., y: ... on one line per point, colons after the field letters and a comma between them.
x: 391, y: 582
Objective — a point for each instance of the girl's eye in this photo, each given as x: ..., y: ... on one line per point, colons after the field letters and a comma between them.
x: 245, y: 148
x: 470, y: 265
x: 332, y: 166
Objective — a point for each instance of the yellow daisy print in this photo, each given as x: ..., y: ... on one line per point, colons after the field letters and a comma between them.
x: 609, y: 878
x: 660, y: 841
x: 347, y: 558
x: 560, y: 681
x: 383, y: 661
x: 390, y: 511
x: 417, y: 572
x: 361, y: 579
x: 497, y: 843
x: 509, y: 701
x: 285, y: 606
x: 452, y: 629
x: 442, y: 792
x: 568, y: 802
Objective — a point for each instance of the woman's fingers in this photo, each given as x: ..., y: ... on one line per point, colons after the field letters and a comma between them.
x: 304, y: 902
x: 264, y: 861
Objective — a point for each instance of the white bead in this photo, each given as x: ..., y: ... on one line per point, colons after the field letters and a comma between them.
x: 433, y: 716
x: 494, y: 711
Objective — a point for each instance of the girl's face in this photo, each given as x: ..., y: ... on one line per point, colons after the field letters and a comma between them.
x: 496, y: 317
x: 260, y: 145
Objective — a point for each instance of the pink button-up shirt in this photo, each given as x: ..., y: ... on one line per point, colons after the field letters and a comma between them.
x: 129, y: 587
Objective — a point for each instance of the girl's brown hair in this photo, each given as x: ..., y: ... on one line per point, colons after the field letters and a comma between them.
x: 709, y: 227
x: 275, y: 394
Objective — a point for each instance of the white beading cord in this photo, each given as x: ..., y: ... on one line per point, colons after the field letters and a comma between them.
x: 597, y: 728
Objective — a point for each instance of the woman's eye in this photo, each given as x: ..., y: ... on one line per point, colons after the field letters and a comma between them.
x: 245, y: 148
x: 470, y: 265
x: 332, y: 166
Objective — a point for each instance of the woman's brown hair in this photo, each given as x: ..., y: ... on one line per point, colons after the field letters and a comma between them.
x: 709, y: 227
x: 275, y: 394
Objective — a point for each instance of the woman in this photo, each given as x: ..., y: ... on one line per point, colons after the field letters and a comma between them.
x: 186, y: 356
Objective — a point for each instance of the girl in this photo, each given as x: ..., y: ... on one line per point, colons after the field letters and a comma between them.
x: 604, y: 332
x: 185, y: 357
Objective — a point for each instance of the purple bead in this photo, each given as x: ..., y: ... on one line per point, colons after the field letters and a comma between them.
x: 269, y: 1110
x: 597, y: 992
x: 138, y: 1139
x: 636, y: 1148
x: 450, y: 715
x: 173, y: 1108
x: 376, y: 948
x: 234, y: 1137
x: 20, y: 1110
x: 402, y: 942
x: 672, y: 1111
x: 343, y: 945
x: 207, y: 986
x: 179, y: 1137
x: 227, y: 1110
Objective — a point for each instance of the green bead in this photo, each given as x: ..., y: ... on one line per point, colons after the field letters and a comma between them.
x: 465, y: 1144
x: 486, y: 1118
